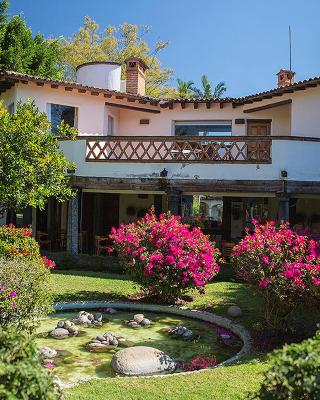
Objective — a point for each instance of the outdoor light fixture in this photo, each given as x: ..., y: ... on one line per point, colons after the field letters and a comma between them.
x: 163, y: 173
x: 284, y: 174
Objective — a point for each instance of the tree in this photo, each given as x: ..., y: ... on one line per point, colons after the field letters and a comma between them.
x: 21, y: 52
x: 185, y: 89
x: 32, y: 168
x: 116, y: 44
x: 207, y: 92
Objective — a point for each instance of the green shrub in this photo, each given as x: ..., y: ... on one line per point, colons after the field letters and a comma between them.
x: 294, y: 374
x: 24, y: 292
x: 22, y: 376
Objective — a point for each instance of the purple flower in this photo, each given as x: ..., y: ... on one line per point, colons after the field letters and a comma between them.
x: 13, y: 294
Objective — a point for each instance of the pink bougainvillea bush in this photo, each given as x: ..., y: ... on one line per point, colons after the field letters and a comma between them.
x: 24, y: 279
x: 165, y: 256
x: 283, y: 264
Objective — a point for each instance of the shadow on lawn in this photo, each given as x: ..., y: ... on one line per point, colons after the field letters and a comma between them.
x: 86, y: 295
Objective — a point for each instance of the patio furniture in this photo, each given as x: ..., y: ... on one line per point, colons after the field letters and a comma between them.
x: 227, y: 248
x: 102, y: 244
x: 43, y: 239
x: 62, y: 240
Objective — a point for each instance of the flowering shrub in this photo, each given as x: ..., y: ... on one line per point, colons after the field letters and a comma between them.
x: 199, y: 362
x: 283, y: 264
x: 24, y: 292
x: 24, y: 274
x: 165, y: 256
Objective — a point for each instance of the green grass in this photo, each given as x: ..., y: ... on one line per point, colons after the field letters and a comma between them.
x: 230, y: 383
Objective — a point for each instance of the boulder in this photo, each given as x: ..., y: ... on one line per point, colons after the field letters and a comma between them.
x: 59, y: 333
x: 145, y: 322
x: 47, y: 352
x: 138, y: 318
x: 142, y: 361
x: 234, y: 311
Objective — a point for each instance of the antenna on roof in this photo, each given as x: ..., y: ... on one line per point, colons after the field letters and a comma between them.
x: 290, y: 52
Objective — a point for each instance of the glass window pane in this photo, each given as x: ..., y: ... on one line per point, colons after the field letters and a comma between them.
x: 203, y: 129
x: 60, y: 113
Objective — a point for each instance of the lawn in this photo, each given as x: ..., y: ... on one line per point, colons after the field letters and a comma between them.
x: 231, y: 382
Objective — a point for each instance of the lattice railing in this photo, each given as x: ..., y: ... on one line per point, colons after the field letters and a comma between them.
x: 179, y: 149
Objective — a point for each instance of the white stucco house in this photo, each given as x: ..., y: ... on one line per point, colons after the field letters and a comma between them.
x: 257, y: 155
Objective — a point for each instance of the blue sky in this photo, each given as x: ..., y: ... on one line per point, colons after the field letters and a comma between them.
x: 243, y: 42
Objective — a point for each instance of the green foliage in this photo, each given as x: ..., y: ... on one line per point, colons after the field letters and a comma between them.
x: 294, y: 373
x: 22, y: 375
x: 116, y: 44
x: 66, y: 131
x: 186, y: 89
x: 22, y: 52
x: 32, y: 168
x: 24, y: 292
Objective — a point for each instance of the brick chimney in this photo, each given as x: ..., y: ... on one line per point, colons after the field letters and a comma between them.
x: 135, y: 76
x: 285, y: 77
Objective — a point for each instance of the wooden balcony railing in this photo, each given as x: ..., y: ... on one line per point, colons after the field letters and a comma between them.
x: 173, y: 149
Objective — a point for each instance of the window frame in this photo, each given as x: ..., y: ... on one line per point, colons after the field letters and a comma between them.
x: 201, y: 122
x: 76, y: 113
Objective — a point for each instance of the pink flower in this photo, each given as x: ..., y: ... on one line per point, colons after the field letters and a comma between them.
x: 13, y: 294
x: 316, y: 281
x: 49, y: 263
x: 264, y: 282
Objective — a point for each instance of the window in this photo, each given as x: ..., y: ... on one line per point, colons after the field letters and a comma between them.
x: 110, y: 125
x: 203, y: 128
x: 59, y: 112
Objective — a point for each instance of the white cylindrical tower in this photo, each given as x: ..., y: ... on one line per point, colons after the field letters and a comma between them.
x: 100, y: 74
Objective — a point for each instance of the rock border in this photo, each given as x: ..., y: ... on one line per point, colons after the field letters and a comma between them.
x: 224, y: 322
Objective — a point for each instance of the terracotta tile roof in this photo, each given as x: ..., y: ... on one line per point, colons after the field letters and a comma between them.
x: 9, y: 78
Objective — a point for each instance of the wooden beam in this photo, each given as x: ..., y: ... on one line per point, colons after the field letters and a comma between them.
x: 133, y: 108
x: 39, y: 83
x: 54, y: 86
x: 81, y: 90
x: 108, y: 95
x: 171, y: 106
x: 195, y: 105
x: 94, y: 93
x: 183, y: 105
x: 208, y: 104
x: 68, y: 89
x: 221, y: 105
x: 267, y: 106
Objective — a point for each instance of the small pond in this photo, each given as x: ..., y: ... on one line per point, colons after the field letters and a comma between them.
x: 75, y: 362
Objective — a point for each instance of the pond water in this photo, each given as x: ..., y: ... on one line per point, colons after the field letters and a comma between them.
x: 75, y: 362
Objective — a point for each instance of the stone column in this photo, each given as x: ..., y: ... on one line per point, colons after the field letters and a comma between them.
x: 284, y: 208
x: 73, y: 226
x: 174, y: 200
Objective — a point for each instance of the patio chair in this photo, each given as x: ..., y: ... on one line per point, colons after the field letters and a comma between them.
x: 102, y: 244
x: 43, y: 240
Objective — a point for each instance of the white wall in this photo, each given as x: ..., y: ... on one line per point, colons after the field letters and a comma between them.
x: 306, y: 113
x: 162, y: 124
x: 300, y: 159
x: 92, y: 109
x: 92, y: 113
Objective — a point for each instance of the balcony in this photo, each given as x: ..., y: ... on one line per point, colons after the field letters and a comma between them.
x: 173, y: 149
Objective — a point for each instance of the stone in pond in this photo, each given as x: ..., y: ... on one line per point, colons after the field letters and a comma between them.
x: 234, y: 311
x: 59, y: 333
x: 134, y: 324
x: 145, y: 322
x: 138, y: 318
x: 60, y: 324
x: 142, y: 361
x: 47, y: 352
